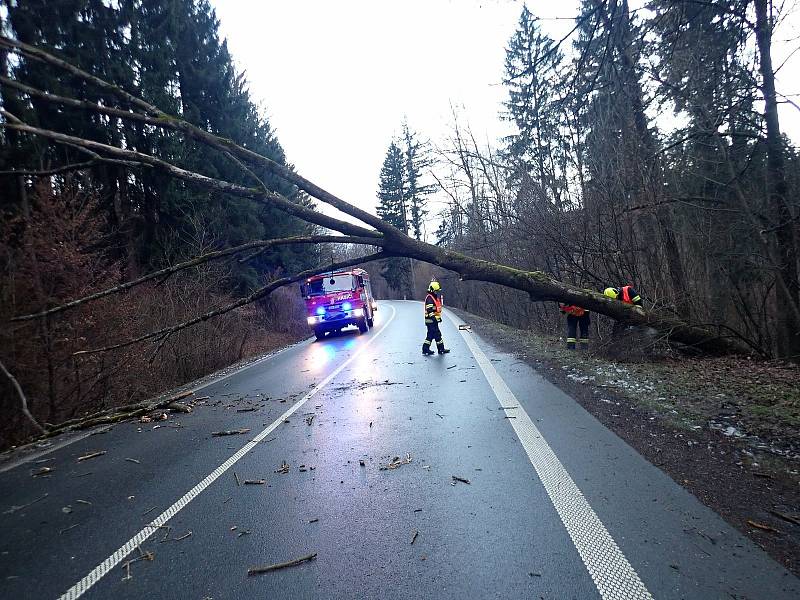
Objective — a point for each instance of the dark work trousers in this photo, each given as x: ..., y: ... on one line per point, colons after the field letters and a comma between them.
x: 433, y: 334
x: 572, y: 328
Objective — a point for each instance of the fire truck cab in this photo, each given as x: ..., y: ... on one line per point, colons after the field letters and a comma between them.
x: 336, y: 300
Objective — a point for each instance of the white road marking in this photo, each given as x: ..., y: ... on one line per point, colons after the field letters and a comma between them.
x: 611, y: 572
x: 112, y: 561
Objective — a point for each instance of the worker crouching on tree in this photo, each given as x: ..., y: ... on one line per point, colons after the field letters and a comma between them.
x: 576, y: 317
x: 433, y: 316
x: 627, y: 294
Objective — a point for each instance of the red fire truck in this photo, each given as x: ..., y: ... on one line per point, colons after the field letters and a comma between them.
x: 336, y: 300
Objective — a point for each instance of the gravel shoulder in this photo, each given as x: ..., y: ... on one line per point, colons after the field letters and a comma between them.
x: 726, y: 429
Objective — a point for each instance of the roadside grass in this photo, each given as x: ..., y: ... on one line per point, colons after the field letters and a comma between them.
x: 741, y: 397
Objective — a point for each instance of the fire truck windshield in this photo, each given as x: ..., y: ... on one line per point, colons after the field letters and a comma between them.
x: 339, y: 283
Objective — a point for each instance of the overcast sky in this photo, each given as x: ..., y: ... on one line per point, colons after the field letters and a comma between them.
x: 336, y: 78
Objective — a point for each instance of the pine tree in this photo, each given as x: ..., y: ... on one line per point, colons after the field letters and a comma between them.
x: 531, y: 76
x: 171, y: 54
x: 417, y: 159
x: 392, y: 209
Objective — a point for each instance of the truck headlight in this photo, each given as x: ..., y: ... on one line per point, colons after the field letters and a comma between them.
x: 359, y: 312
x: 347, y: 306
x: 312, y: 320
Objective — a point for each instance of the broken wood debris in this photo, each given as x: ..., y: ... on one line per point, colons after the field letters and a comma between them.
x: 414, y: 536
x: 236, y: 476
x: 250, y: 409
x: 465, y: 327
x: 86, y: 502
x: 440, y: 416
x: 166, y: 537
x: 68, y: 528
x: 229, y: 432
x: 309, y: 419
x: 42, y: 471
x: 142, y: 556
x: 457, y: 478
x: 255, y: 481
x: 151, y: 509
x: 762, y: 527
x: 133, y: 460
x: 785, y: 517
x: 314, y: 520
x: 243, y: 532
x: 14, y: 509
x: 91, y: 455
x: 397, y: 462
x: 284, y: 468
x: 179, y: 407
x: 283, y: 565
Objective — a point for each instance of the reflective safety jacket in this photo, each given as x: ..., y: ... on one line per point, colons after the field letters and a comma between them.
x: 631, y: 296
x: 433, y: 308
x: 571, y: 309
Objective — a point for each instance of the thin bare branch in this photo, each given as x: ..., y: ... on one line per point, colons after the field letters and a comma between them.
x: 198, y: 260
x: 267, y: 197
x: 171, y: 122
x: 23, y: 400
x: 256, y: 295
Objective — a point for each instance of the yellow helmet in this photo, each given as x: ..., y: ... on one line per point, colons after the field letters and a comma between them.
x: 434, y: 286
x: 611, y: 292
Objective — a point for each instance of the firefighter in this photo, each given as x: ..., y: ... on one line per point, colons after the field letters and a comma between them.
x: 433, y: 316
x: 626, y: 293
x: 576, y: 316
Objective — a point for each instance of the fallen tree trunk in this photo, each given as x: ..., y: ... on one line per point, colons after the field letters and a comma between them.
x: 538, y: 285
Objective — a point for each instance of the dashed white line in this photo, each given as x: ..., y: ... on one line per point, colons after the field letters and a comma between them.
x: 77, y: 590
x: 611, y: 572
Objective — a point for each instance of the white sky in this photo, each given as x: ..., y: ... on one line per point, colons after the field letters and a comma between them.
x: 336, y: 78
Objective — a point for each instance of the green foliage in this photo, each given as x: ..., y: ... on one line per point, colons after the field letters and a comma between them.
x: 169, y: 53
x: 532, y: 79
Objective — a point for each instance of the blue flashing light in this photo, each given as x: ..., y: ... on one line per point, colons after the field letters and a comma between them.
x: 347, y: 306
x: 320, y: 310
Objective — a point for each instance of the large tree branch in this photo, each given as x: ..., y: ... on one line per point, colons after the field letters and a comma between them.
x: 540, y: 286
x: 198, y: 260
x: 23, y: 400
x: 265, y: 196
x: 256, y: 295
x: 165, y: 120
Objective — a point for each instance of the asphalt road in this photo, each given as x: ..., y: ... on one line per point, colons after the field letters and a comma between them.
x: 556, y: 507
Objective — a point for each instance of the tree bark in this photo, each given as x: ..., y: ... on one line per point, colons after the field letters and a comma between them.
x: 788, y: 291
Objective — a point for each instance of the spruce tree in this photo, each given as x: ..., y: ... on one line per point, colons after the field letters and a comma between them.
x: 392, y: 209
x: 417, y: 159
x: 531, y: 77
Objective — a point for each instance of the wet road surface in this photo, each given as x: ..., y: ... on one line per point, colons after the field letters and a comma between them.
x: 365, y: 448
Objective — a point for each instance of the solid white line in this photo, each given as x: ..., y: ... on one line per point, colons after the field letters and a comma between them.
x: 112, y: 561
x: 611, y: 572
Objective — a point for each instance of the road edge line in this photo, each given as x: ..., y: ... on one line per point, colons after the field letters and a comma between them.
x: 608, y: 567
x: 82, y: 586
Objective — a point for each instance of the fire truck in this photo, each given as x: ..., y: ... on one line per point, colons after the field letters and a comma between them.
x: 336, y: 300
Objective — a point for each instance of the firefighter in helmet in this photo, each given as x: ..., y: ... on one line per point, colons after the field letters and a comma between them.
x: 433, y: 316
x: 626, y: 293
x: 577, y: 316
